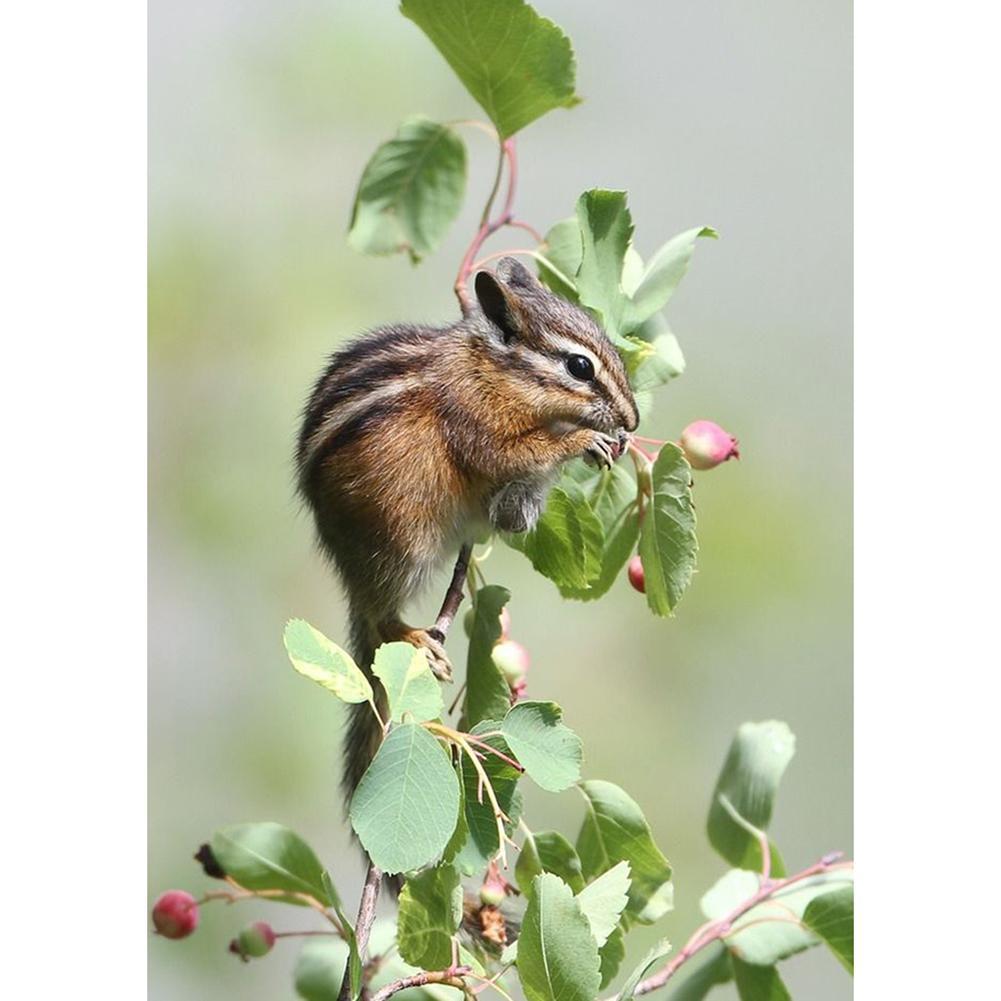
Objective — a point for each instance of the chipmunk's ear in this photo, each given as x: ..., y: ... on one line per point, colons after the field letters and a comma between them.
x: 500, y: 294
x: 494, y: 301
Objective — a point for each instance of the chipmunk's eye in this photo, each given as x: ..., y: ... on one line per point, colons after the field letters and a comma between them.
x: 580, y: 367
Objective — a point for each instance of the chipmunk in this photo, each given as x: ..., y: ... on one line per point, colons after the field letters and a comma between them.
x: 417, y: 439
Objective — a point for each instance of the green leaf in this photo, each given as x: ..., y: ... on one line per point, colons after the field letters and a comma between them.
x: 654, y: 956
x: 607, y: 229
x: 749, y: 781
x: 566, y: 544
x: 319, y: 969
x: 411, y: 191
x: 701, y: 975
x: 772, y: 930
x: 562, y: 250
x: 405, y: 808
x: 662, y: 274
x: 659, y: 361
x: 516, y: 64
x: 668, y: 545
x: 548, y: 851
x: 317, y: 658
x: 488, y: 695
x: 611, y: 954
x: 832, y: 917
x: 604, y: 900
x: 410, y: 685
x: 550, y: 752
x: 430, y: 910
x: 557, y: 955
x: 611, y: 495
x: 268, y: 856
x: 758, y: 983
x: 483, y: 841
x: 615, y: 830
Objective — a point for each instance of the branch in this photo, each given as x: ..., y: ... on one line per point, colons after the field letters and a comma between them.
x: 453, y: 596
x: 366, y: 915
x: 450, y: 977
x: 719, y: 929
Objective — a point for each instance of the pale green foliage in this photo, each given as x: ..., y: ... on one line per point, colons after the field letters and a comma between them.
x: 604, y: 900
x: 548, y: 851
x: 557, y: 954
x: 668, y: 546
x: 430, y: 909
x: 317, y: 658
x: 614, y: 830
x: 657, y: 952
x: 515, y: 63
x: 550, y: 752
x: 758, y: 983
x: 410, y: 686
x: 405, y: 807
x: 487, y: 693
x: 832, y: 917
x: 268, y: 856
x: 749, y: 780
x: 411, y: 191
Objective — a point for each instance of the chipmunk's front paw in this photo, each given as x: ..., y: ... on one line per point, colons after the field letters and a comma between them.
x: 603, y: 450
x: 441, y: 666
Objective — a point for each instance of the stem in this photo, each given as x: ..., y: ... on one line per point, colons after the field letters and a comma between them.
x: 239, y: 893
x: 490, y: 226
x: 450, y: 977
x: 363, y: 926
x: 713, y: 931
x: 453, y: 596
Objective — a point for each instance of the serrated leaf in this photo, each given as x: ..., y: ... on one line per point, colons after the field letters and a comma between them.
x: 773, y: 929
x: 429, y: 913
x: 662, y: 274
x: 668, y: 545
x: 749, y: 781
x: 488, y: 695
x: 758, y: 983
x: 405, y: 808
x: 566, y: 544
x: 611, y: 955
x: 557, y: 955
x: 606, y: 231
x: 550, y: 752
x: 516, y: 64
x: 562, y: 250
x: 614, y: 830
x: 323, y: 661
x: 410, y: 192
x: 548, y: 851
x: 483, y: 841
x: 654, y: 956
x: 604, y: 900
x: 611, y: 495
x: 832, y: 917
x: 410, y: 686
x: 268, y: 856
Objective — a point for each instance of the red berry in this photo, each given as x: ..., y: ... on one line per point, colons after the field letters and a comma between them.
x: 255, y: 940
x: 636, y: 575
x: 175, y: 914
x: 706, y: 445
x: 512, y: 659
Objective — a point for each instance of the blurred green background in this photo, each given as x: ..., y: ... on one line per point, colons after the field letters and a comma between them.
x: 262, y: 115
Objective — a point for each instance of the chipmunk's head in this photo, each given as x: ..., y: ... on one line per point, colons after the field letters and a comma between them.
x: 554, y: 356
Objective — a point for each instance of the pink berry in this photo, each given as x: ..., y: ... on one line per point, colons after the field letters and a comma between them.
x: 636, y: 576
x: 175, y: 914
x: 255, y: 940
x: 512, y: 660
x: 492, y: 894
x: 706, y: 445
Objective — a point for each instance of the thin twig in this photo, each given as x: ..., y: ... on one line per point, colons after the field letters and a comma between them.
x: 453, y: 596
x: 450, y: 977
x: 719, y: 929
x: 363, y: 926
